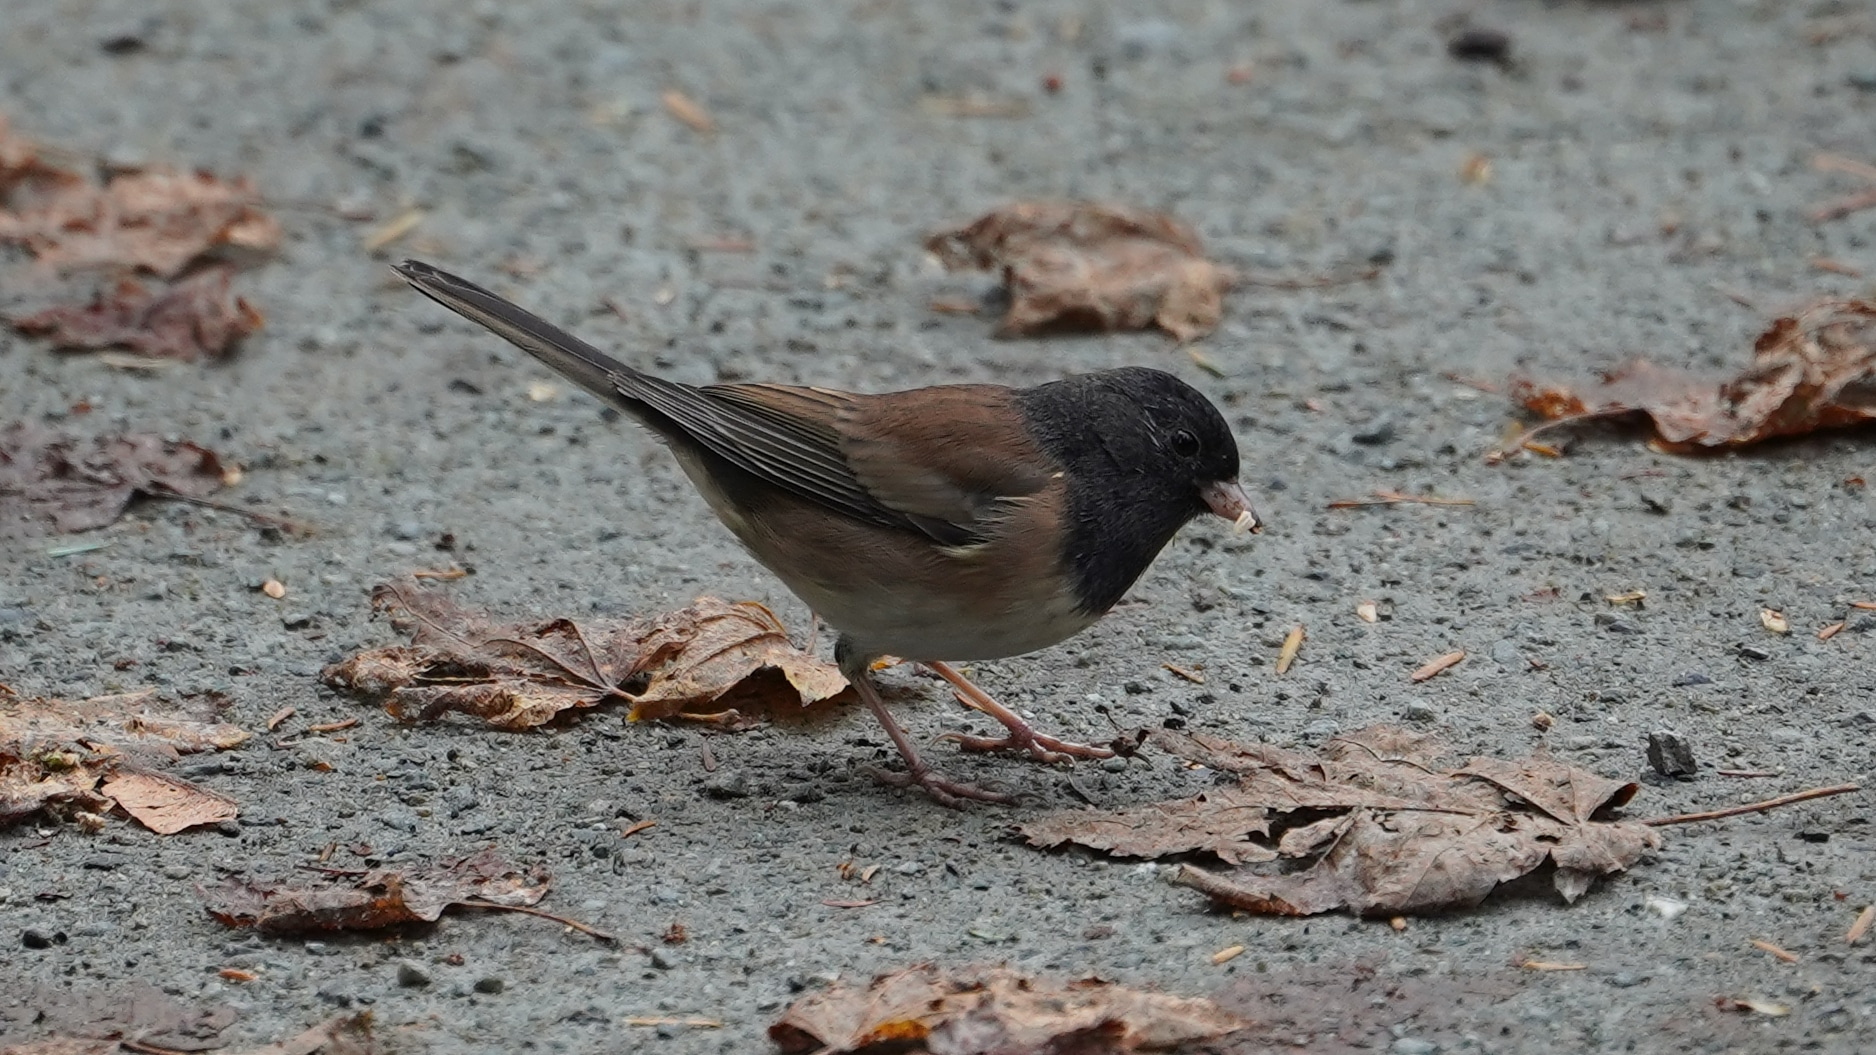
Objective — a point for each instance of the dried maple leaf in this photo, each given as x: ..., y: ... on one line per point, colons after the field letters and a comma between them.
x: 72, y: 484
x: 380, y: 898
x: 1373, y: 826
x: 1812, y: 370
x: 708, y: 657
x: 1080, y: 265
x: 153, y: 220
x: 980, y: 1010
x: 195, y: 318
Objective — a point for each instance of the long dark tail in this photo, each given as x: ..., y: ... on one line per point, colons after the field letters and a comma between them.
x: 580, y: 362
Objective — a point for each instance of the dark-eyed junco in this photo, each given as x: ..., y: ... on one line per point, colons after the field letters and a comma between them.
x: 953, y: 522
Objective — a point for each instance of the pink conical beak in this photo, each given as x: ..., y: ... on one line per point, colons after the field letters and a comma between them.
x: 1226, y: 499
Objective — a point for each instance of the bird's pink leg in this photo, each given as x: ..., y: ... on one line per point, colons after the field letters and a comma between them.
x: 943, y: 791
x: 1040, y: 746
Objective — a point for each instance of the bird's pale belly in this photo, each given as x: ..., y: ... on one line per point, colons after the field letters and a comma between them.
x: 899, y: 595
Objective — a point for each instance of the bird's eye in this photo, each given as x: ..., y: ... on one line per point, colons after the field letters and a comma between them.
x: 1184, y: 444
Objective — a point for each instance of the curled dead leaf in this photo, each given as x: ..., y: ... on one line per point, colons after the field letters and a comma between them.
x: 1081, y: 265
x: 1811, y: 370
x: 710, y: 658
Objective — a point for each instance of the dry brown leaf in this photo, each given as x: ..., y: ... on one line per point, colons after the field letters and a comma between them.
x: 165, y: 804
x: 380, y: 898
x: 82, y: 1020
x: 976, y: 1010
x: 1222, y: 821
x: 54, y: 752
x: 711, y: 657
x: 68, y: 484
x: 1373, y: 826
x: 1812, y: 370
x: 193, y: 319
x: 1081, y: 265
x: 153, y: 220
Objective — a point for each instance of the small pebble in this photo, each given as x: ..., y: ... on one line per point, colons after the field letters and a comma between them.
x: 1754, y: 652
x: 491, y: 985
x: 1692, y: 677
x: 1478, y: 44
x: 663, y: 960
x: 1116, y: 764
x: 412, y: 975
x: 1413, y: 1046
x: 1670, y: 754
x: 34, y: 938
x: 727, y: 784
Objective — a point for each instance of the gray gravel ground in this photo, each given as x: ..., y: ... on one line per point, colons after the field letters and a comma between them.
x: 1646, y: 160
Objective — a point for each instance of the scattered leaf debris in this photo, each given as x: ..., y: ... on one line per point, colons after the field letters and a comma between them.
x: 974, y: 1010
x: 196, y: 318
x: 378, y: 898
x: 1812, y: 370
x: 154, y: 220
x: 1082, y: 265
x: 1774, y: 620
x: 55, y: 753
x: 67, y: 484
x: 1371, y: 825
x: 708, y: 659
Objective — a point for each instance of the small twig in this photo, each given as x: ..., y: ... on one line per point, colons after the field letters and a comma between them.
x: 636, y: 827
x: 162, y: 492
x: 1828, y: 162
x: 664, y: 1020
x: 1438, y: 664
x: 1861, y: 926
x: 1385, y: 497
x: 1838, y: 208
x: 1749, y: 772
x: 1291, y: 644
x: 526, y: 911
x: 1754, y: 807
x: 146, y: 1048
x: 1774, y: 951
x: 1252, y: 278
x: 332, y: 727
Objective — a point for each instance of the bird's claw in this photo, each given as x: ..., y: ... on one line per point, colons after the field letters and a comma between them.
x: 1039, y: 746
x: 942, y: 790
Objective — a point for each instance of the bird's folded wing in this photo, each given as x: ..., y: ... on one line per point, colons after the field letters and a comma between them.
x: 945, y: 461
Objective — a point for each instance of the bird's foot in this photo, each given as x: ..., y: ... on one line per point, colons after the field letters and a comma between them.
x: 1040, y: 746
x: 943, y: 790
